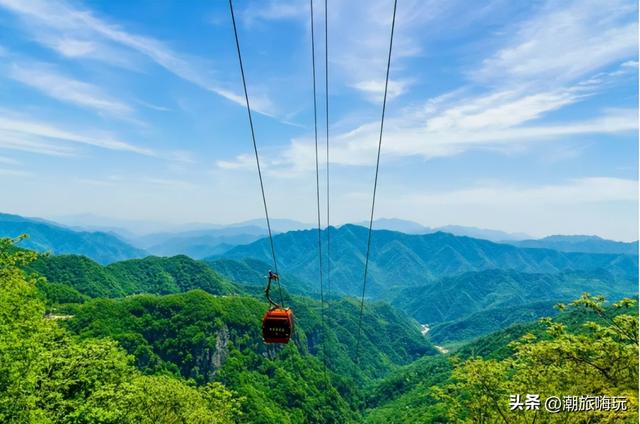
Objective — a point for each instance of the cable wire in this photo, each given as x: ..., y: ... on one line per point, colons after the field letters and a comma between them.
x: 255, y: 150
x: 375, y: 183
x: 326, y: 106
x: 315, y: 123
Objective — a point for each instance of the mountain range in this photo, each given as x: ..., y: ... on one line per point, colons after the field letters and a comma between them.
x: 587, y: 244
x: 45, y: 236
x: 401, y: 260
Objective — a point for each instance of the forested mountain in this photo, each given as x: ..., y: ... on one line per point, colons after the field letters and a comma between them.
x: 253, y: 272
x: 75, y: 364
x: 401, y: 260
x: 587, y: 244
x: 588, y: 348
x: 48, y: 375
x: 148, y: 275
x: 488, y: 321
x: 48, y: 237
x: 453, y: 298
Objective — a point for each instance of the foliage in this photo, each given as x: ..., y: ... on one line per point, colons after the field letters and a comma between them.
x: 57, y: 293
x: 197, y: 336
x: 489, y: 321
x: 48, y: 376
x: 588, y: 349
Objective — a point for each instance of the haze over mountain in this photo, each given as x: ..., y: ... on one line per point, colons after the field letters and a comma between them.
x: 411, y: 227
x: 588, y: 244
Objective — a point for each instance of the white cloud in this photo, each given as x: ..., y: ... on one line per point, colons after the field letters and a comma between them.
x: 566, y: 41
x: 594, y: 205
x: 574, y: 192
x: 39, y: 137
x: 18, y: 141
x: 273, y: 10
x: 14, y: 173
x: 527, y: 80
x: 8, y: 161
x: 78, y: 33
x: 496, y: 121
x: 374, y: 89
x: 241, y: 162
x: 46, y: 80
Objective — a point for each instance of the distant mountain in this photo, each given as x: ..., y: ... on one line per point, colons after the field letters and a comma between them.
x: 278, y: 225
x: 149, y: 275
x: 461, y: 296
x: 482, y: 233
x: 253, y: 272
x: 214, y: 235
x: 401, y: 260
x: 123, y: 227
x: 587, y: 244
x: 411, y: 227
x: 45, y: 236
x: 200, y: 244
x: 395, y: 224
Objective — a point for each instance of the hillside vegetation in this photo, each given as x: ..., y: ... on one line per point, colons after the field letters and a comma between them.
x: 148, y: 275
x: 591, y: 349
x: 49, y: 376
x: 164, y: 340
x: 453, y: 298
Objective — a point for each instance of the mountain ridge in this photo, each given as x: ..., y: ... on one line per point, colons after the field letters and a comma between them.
x: 45, y: 236
x: 404, y: 260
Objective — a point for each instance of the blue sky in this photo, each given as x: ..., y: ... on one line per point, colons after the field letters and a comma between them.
x: 519, y: 116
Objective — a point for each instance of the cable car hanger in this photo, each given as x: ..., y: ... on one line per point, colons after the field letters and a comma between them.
x: 278, y: 322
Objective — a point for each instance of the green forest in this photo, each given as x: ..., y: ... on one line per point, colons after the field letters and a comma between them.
x: 171, y: 340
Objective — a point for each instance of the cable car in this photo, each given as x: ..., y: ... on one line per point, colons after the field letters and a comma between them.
x: 277, y: 323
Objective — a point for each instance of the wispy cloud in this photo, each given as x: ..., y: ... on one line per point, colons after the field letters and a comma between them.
x: 47, y: 80
x: 11, y: 140
x: 41, y: 137
x: 274, y: 10
x: 574, y: 206
x: 509, y: 95
x: 15, y: 173
x: 565, y: 41
x: 499, y: 121
x: 374, y: 89
x: 572, y: 192
x: 8, y: 161
x: 80, y: 34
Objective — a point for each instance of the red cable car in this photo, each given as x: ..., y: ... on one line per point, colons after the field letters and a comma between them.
x: 277, y: 323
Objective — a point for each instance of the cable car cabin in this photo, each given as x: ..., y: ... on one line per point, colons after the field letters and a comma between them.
x: 277, y: 325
